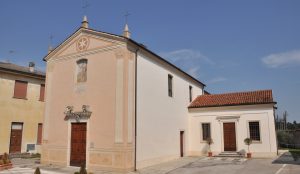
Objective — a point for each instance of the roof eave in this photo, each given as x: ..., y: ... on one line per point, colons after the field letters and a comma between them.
x: 164, y: 60
x: 243, y: 104
x: 6, y: 70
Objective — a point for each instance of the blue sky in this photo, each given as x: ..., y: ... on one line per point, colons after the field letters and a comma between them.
x: 229, y: 45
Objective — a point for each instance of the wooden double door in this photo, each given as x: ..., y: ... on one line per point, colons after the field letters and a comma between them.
x: 229, y: 136
x: 78, y: 144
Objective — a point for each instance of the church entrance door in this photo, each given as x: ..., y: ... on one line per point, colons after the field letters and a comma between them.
x: 78, y: 144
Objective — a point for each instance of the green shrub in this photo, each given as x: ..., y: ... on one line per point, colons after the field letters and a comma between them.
x: 5, y: 159
x: 82, y: 169
x: 37, y: 171
x: 285, y: 137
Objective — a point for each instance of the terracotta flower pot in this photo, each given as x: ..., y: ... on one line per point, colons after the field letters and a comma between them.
x: 248, y: 155
x: 5, y: 166
x: 209, y: 154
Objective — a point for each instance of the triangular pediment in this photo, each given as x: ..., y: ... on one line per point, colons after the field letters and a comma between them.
x: 85, y: 40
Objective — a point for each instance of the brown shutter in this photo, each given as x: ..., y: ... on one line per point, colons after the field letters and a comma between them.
x: 42, y: 92
x: 39, y: 134
x: 20, y: 89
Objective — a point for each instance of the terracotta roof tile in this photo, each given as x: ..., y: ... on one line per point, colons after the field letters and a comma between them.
x: 230, y: 99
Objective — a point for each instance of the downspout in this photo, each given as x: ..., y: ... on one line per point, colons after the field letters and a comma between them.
x: 274, y: 109
x: 135, y: 108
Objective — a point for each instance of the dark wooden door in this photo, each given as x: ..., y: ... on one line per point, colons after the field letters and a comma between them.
x: 16, y: 138
x: 181, y: 143
x: 229, y: 137
x: 78, y: 144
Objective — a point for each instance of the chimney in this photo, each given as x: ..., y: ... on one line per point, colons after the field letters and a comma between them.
x: 31, y: 66
x: 126, y: 32
x: 85, y: 23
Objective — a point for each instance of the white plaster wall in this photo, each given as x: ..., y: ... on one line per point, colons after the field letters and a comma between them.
x: 262, y: 113
x: 160, y: 118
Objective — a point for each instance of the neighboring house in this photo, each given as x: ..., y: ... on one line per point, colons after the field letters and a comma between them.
x: 22, y: 108
x: 113, y: 104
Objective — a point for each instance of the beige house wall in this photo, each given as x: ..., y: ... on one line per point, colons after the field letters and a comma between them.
x: 109, y: 87
x: 29, y: 112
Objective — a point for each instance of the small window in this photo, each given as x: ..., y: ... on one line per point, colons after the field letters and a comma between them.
x: 42, y: 92
x: 39, y: 133
x: 170, y: 85
x: 254, y: 130
x: 20, y: 90
x: 82, y: 70
x: 205, y: 131
x: 191, y: 93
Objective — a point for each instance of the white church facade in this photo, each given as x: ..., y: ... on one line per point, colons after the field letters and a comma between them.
x: 112, y: 104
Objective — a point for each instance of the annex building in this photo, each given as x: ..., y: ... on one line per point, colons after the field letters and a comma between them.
x: 113, y: 104
x: 22, y: 108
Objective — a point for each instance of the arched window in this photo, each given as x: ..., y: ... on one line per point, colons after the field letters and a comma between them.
x: 81, y: 70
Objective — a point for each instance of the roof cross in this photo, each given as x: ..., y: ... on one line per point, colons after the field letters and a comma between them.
x: 85, y: 6
x: 126, y: 17
x: 51, y: 39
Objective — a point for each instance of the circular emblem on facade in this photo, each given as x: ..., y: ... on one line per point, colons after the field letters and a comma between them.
x: 82, y: 43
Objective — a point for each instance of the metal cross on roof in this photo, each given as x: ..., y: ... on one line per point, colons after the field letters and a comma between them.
x: 85, y: 6
x: 126, y: 17
x: 51, y: 39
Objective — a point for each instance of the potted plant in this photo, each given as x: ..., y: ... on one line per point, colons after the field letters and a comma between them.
x: 209, y: 141
x: 5, y: 163
x: 248, y: 141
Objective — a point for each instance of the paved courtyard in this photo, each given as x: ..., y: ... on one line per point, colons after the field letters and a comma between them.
x: 188, y: 165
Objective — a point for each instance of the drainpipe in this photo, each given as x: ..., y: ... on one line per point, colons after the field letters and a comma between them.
x: 135, y: 109
x: 274, y: 109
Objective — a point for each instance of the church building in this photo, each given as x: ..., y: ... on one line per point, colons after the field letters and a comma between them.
x: 113, y: 104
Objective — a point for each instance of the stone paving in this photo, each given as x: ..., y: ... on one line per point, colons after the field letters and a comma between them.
x: 27, y: 166
x: 186, y: 165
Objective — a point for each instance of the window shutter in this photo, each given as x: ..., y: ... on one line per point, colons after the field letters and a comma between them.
x: 39, y: 134
x: 20, y: 89
x: 42, y: 92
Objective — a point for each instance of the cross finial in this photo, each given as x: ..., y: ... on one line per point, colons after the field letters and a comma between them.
x: 126, y: 17
x: 51, y: 39
x: 85, y: 6
x: 50, y: 43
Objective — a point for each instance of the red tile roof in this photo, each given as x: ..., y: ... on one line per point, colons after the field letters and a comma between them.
x: 230, y: 99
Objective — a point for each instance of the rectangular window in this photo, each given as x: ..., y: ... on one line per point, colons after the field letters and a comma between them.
x: 254, y: 130
x: 42, y: 92
x: 191, y: 93
x: 20, y: 90
x: 205, y: 131
x: 170, y: 85
x: 39, y: 133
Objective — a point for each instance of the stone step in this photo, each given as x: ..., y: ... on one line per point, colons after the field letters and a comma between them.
x: 230, y: 154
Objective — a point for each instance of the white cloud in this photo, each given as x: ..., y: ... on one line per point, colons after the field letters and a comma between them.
x: 217, y: 80
x: 282, y: 59
x: 184, y: 55
x: 189, y: 60
x: 193, y: 71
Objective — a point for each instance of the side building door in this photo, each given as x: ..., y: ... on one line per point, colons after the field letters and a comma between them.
x: 16, y: 138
